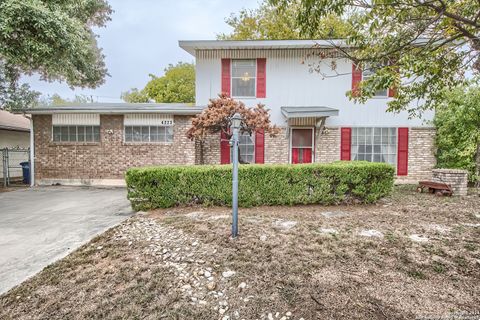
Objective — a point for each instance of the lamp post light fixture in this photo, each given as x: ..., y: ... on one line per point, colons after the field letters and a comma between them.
x: 235, y: 126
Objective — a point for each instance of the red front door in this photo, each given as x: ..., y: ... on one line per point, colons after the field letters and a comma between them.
x: 302, y: 145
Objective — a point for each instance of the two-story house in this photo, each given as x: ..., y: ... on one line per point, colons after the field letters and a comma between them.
x: 95, y: 144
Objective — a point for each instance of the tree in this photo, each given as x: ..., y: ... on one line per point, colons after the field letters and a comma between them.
x: 271, y: 22
x: 176, y: 85
x: 52, y: 38
x: 217, y: 118
x: 135, y: 96
x: 457, y: 120
x: 12, y: 94
x: 57, y: 100
x: 430, y: 45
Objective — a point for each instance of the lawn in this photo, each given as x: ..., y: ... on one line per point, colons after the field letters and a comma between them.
x: 409, y: 256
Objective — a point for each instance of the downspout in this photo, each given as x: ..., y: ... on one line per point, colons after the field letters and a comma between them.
x: 32, y: 153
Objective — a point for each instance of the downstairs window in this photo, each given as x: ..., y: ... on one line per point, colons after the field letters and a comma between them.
x: 374, y: 144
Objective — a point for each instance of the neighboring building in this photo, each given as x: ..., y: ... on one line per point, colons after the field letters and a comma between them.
x: 14, y: 134
x: 97, y: 143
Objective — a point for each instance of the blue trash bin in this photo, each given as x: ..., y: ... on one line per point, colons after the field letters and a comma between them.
x: 26, y: 171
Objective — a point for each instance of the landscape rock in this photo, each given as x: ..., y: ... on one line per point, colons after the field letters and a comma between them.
x: 418, y: 238
x: 371, y: 233
x: 328, y: 231
x: 334, y: 214
x: 228, y: 274
x: 285, y: 224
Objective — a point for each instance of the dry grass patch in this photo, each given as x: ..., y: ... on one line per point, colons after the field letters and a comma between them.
x: 422, y: 258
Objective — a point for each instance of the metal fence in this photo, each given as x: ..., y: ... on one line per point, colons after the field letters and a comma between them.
x: 11, y: 170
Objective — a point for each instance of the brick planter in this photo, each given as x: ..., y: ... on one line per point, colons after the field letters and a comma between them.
x: 457, y: 179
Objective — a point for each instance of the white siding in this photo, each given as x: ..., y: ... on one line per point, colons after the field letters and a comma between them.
x: 148, y: 119
x: 289, y: 83
x: 76, y: 119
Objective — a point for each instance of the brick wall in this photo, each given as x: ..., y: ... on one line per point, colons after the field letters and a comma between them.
x: 421, y: 155
x: 327, y: 145
x: 111, y: 157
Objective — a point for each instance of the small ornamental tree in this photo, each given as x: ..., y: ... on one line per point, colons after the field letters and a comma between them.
x: 217, y: 118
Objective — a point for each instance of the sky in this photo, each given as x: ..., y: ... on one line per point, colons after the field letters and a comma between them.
x: 142, y: 38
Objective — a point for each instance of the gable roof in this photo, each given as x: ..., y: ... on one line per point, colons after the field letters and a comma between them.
x: 191, y: 45
x: 13, y: 122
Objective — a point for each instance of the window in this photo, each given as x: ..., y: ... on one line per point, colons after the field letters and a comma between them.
x: 375, y: 144
x: 302, y: 145
x: 76, y: 133
x: 148, y: 133
x: 244, y: 78
x: 367, y: 73
x: 246, y: 146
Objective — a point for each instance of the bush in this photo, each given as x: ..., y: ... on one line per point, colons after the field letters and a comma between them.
x: 339, y: 182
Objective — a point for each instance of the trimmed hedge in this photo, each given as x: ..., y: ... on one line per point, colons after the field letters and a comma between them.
x: 339, y: 182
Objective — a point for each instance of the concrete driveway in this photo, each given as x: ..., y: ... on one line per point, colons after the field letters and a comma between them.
x: 41, y: 225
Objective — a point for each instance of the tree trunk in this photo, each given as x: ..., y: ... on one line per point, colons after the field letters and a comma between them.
x: 202, y: 161
x: 477, y: 169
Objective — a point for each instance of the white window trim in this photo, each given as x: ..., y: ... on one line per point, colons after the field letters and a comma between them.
x: 255, y: 82
x: 375, y: 96
x: 290, y: 144
x: 149, y: 135
x: 254, y: 148
x: 77, y: 142
x: 396, y: 143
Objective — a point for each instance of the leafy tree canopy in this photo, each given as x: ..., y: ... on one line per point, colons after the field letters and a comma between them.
x: 51, y: 38
x: 271, y: 22
x: 176, y: 85
x: 458, y: 130
x: 135, y: 96
x: 57, y: 100
x: 431, y: 44
x: 219, y: 112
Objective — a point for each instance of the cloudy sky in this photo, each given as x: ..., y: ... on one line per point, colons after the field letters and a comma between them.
x: 142, y: 38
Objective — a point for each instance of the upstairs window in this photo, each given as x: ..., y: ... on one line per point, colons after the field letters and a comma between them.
x: 367, y: 73
x: 244, y: 78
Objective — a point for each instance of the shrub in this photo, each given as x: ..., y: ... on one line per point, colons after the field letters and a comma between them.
x: 339, y: 182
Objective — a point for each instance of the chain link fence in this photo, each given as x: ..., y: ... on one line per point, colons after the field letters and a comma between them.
x: 10, y: 169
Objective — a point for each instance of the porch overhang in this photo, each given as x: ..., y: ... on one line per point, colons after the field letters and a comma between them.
x: 307, y: 116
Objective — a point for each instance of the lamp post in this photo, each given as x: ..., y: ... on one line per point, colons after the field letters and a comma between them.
x: 235, y: 126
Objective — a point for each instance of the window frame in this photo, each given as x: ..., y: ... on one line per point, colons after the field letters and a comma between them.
x: 373, y: 144
x: 254, y: 77
x: 76, y: 141
x: 252, y: 138
x: 290, y: 160
x: 149, y: 134
x: 372, y: 71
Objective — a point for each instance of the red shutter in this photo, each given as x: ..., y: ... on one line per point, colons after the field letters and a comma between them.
x: 226, y: 76
x: 261, y: 78
x: 356, y: 78
x: 393, y: 90
x: 402, y: 154
x: 224, y: 149
x: 345, y: 143
x: 260, y: 146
